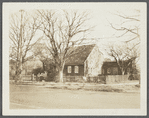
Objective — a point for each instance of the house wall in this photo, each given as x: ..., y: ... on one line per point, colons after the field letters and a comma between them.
x: 93, y: 63
x: 80, y: 71
x: 104, y: 70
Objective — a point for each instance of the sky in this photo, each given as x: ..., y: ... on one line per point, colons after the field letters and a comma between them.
x: 101, y: 14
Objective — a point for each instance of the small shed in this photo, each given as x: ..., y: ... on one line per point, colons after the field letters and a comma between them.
x: 112, y: 68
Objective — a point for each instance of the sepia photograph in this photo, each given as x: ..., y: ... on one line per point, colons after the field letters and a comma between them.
x: 74, y: 58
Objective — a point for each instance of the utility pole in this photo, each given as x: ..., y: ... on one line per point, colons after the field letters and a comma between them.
x: 20, y: 44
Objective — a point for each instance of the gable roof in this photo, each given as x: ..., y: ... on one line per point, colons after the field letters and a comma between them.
x: 109, y: 64
x: 79, y: 55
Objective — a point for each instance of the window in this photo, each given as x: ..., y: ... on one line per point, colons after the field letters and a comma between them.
x: 76, y: 69
x: 69, y: 69
x: 109, y: 71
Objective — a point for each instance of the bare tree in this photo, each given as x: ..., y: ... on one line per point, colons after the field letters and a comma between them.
x: 21, y: 32
x: 128, y: 28
x: 61, y: 28
x: 124, y: 55
x: 129, y: 25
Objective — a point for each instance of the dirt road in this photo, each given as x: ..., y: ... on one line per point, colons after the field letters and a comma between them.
x: 33, y: 97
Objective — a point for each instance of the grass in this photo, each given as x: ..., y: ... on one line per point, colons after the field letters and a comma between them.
x: 103, y: 88
x: 91, y: 86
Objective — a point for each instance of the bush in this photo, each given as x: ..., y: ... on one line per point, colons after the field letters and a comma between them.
x: 136, y: 76
x: 51, y: 72
x: 37, y: 70
x: 41, y: 78
x: 51, y: 75
x: 131, y: 77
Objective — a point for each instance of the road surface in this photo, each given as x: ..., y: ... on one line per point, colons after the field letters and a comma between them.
x: 35, y: 97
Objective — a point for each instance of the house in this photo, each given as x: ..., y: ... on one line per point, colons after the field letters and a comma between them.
x: 112, y: 68
x: 85, y: 60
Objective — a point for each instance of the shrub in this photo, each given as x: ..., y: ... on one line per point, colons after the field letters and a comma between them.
x: 51, y: 72
x: 131, y: 77
x: 37, y: 70
x: 51, y: 75
x: 136, y: 76
x: 50, y: 69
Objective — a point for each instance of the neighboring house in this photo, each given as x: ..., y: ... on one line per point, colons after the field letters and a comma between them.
x: 112, y: 68
x: 86, y: 60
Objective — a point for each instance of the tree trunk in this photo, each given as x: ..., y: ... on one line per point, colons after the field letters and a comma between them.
x: 43, y: 66
x: 123, y: 72
x: 61, y: 76
x: 16, y: 78
x: 61, y: 68
x: 18, y: 75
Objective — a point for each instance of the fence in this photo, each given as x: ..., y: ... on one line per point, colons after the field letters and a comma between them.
x: 97, y: 79
x: 102, y: 79
x: 26, y: 77
x: 23, y: 77
x: 70, y: 78
x: 108, y: 79
x: 116, y: 78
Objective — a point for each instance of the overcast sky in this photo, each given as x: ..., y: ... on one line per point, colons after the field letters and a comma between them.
x: 101, y: 14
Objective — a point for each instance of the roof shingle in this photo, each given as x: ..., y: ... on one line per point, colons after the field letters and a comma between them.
x: 79, y: 55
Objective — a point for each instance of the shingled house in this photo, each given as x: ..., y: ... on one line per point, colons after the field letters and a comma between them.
x: 86, y: 60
